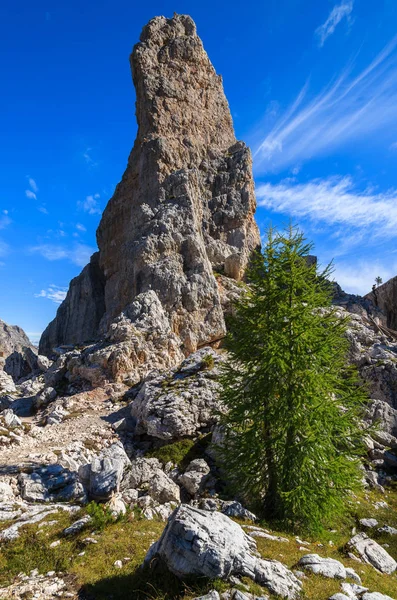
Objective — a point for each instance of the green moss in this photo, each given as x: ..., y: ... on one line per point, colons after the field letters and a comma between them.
x: 181, y: 453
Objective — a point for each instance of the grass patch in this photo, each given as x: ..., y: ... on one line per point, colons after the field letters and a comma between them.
x: 181, y: 453
x: 129, y: 539
x: 32, y: 549
x: 321, y: 588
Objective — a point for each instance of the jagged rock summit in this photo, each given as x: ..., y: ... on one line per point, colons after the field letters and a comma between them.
x: 183, y: 211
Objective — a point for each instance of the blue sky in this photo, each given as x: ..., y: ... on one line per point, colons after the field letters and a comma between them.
x: 312, y: 87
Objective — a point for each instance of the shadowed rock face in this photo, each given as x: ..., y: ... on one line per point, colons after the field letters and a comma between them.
x: 183, y: 209
x: 79, y: 315
x: 385, y: 298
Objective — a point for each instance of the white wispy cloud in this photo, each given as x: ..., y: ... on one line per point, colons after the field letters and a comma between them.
x: 88, y: 158
x: 32, y: 192
x: 334, y: 201
x: 5, y: 220
x: 339, y: 12
x: 90, y: 205
x: 53, y: 292
x: 358, y: 277
x: 79, y: 254
x: 33, y: 184
x: 348, y: 109
x: 43, y: 210
x: 81, y: 227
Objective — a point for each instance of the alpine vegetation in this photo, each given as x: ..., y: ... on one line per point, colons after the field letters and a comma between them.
x: 292, y: 428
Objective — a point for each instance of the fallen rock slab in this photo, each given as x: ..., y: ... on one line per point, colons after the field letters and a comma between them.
x: 33, y: 515
x: 368, y: 523
x: 52, y: 483
x: 209, y: 544
x: 372, y: 553
x: 327, y: 567
x: 77, y: 526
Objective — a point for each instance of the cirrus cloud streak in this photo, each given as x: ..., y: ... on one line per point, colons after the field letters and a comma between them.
x: 347, y: 109
x: 334, y: 201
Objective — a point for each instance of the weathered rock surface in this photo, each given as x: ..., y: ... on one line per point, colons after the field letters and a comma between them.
x: 385, y: 298
x: 375, y: 354
x: 209, y: 544
x: 104, y: 475
x: 146, y: 474
x: 7, y: 385
x: 327, y: 567
x: 30, y: 515
x: 18, y: 356
x: 195, y: 476
x: 180, y: 402
x: 183, y: 210
x: 51, y: 484
x: 78, y: 317
x: 372, y: 553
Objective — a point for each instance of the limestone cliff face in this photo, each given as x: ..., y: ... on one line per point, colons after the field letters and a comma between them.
x: 385, y: 298
x: 183, y: 210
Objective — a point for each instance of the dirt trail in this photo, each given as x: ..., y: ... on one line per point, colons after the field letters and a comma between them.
x: 89, y: 422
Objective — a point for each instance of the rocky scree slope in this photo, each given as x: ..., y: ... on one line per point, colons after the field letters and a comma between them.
x: 182, y: 213
x: 149, y: 448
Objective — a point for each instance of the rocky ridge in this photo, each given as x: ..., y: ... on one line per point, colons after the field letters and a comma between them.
x: 18, y: 356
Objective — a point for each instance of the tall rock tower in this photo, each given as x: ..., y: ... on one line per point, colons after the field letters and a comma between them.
x: 183, y: 210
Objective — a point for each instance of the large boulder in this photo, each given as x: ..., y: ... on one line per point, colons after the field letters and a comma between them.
x: 53, y: 483
x: 209, y: 544
x: 146, y: 475
x: 327, y: 567
x: 195, y: 476
x: 181, y: 402
x: 372, y: 553
x: 103, y: 476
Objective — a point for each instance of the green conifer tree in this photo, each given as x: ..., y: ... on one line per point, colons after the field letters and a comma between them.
x: 293, y: 403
